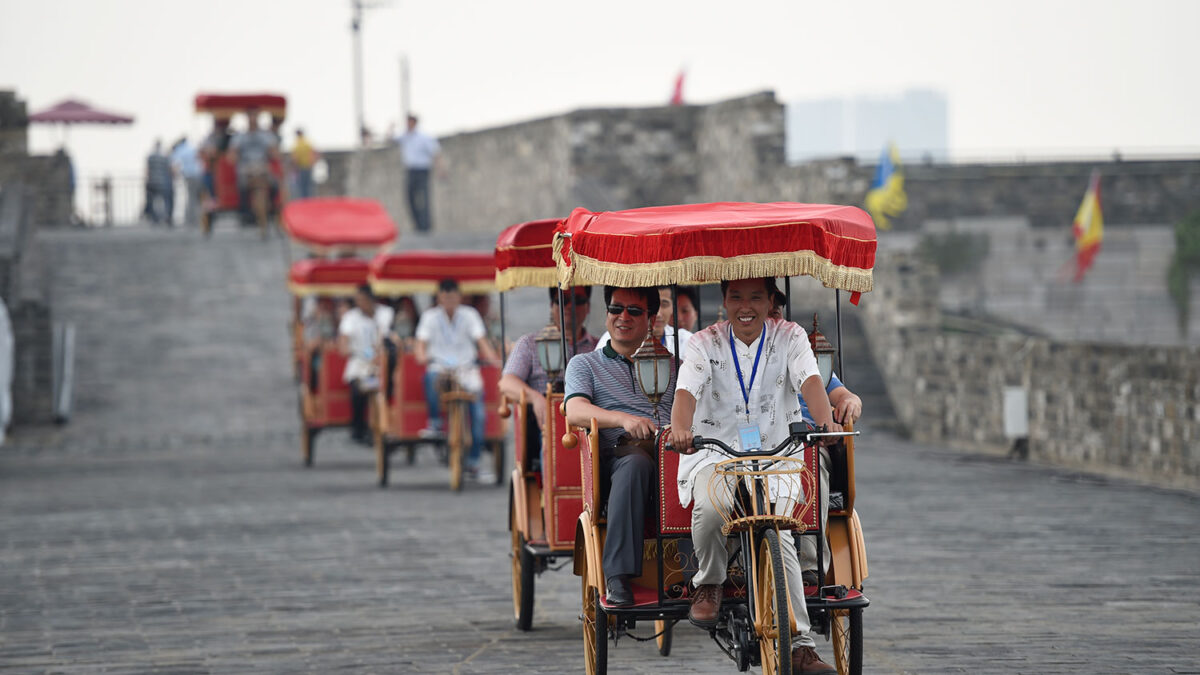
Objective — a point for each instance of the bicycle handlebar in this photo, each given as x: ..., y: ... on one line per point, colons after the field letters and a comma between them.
x: 798, y: 432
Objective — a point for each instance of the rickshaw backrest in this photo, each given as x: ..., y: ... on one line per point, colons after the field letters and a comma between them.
x: 561, y: 479
x: 675, y: 519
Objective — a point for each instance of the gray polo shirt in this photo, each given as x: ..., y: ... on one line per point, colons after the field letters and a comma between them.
x: 609, y: 381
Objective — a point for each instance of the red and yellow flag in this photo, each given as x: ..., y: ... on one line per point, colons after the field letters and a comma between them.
x: 1088, y: 228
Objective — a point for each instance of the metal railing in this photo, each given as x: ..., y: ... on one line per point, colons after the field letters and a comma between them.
x: 109, y: 200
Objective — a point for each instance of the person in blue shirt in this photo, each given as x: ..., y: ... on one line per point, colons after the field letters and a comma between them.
x: 847, y: 408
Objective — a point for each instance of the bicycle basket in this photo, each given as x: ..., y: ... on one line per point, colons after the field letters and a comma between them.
x: 763, y: 491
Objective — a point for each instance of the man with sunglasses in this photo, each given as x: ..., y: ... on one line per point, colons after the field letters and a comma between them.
x: 664, y: 330
x: 603, y: 385
x: 523, y: 372
x: 739, y: 383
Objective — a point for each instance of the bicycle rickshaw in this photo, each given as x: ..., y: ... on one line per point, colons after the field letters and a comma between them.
x: 400, y: 408
x: 703, y: 244
x: 221, y: 171
x: 545, y: 497
x: 342, y: 227
x: 333, y: 227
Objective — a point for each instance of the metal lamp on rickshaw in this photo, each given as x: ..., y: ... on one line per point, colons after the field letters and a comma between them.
x: 836, y: 246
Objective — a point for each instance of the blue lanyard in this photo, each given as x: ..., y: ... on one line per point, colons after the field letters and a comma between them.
x: 762, y: 338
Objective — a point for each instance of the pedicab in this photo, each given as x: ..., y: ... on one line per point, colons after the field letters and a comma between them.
x: 401, y: 411
x: 703, y: 244
x: 545, y: 497
x: 221, y: 170
x: 324, y: 397
x: 346, y: 228
x: 334, y: 227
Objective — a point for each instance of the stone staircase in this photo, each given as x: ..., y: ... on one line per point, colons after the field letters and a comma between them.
x: 861, y: 375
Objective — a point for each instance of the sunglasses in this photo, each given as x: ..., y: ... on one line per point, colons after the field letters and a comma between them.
x: 633, y: 310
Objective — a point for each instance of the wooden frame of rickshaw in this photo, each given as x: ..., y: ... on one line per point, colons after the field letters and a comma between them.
x: 545, y: 501
x: 396, y: 403
x: 835, y: 605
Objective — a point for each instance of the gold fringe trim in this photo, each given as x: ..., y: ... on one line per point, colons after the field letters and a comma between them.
x: 322, y: 290
x: 393, y: 288
x: 710, y: 269
x: 525, y: 277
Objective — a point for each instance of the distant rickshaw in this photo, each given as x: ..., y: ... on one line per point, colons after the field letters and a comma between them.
x: 775, y: 490
x: 266, y: 187
x: 327, y: 227
x: 545, y: 497
x: 401, y: 411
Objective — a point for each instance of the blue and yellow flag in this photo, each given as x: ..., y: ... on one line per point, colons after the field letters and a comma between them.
x: 886, y: 198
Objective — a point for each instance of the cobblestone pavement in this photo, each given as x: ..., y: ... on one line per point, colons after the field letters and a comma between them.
x: 170, y: 526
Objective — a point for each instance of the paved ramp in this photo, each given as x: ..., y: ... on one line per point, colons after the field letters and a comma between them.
x: 171, y: 528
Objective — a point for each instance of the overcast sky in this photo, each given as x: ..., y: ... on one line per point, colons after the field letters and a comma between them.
x: 1022, y: 77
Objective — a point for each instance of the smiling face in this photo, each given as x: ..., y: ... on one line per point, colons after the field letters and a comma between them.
x: 626, y: 331
x: 747, y: 304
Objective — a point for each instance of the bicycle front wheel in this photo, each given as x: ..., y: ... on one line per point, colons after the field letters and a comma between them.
x: 772, y: 621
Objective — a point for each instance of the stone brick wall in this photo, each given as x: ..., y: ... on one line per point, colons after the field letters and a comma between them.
x: 14, y: 125
x: 25, y: 289
x: 734, y: 150
x: 1049, y: 193
x: 502, y: 176
x: 48, y: 178
x: 1121, y: 409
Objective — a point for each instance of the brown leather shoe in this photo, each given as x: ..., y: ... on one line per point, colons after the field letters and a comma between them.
x: 806, y: 662
x: 706, y: 603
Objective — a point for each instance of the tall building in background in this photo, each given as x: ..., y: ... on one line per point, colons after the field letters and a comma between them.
x: 916, y: 121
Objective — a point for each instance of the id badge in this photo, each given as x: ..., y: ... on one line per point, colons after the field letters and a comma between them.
x: 750, y: 437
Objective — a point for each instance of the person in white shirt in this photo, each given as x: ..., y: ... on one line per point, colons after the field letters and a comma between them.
x: 741, y: 378
x: 664, y: 331
x: 359, y: 333
x: 451, y: 338
x: 421, y: 153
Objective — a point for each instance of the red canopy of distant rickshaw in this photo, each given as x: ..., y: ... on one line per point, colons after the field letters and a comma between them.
x: 78, y: 112
x: 411, y: 272
x: 339, y: 223
x: 327, y: 277
x: 523, y: 255
x: 704, y: 243
x: 224, y: 106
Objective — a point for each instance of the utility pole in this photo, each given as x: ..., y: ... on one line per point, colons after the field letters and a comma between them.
x: 405, y: 101
x: 356, y: 29
x: 357, y: 7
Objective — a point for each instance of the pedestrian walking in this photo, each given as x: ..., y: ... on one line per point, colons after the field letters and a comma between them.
x: 186, y: 164
x: 158, y: 186
x: 421, y: 154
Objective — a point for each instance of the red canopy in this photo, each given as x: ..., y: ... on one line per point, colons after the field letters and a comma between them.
x: 327, y: 277
x: 339, y: 223
x: 410, y: 272
x: 523, y: 255
x: 704, y: 243
x: 224, y: 106
x: 78, y: 112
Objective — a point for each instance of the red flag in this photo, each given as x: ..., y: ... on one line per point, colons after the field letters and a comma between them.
x: 677, y: 96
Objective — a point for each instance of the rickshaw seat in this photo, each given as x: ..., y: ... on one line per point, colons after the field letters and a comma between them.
x: 676, y: 519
